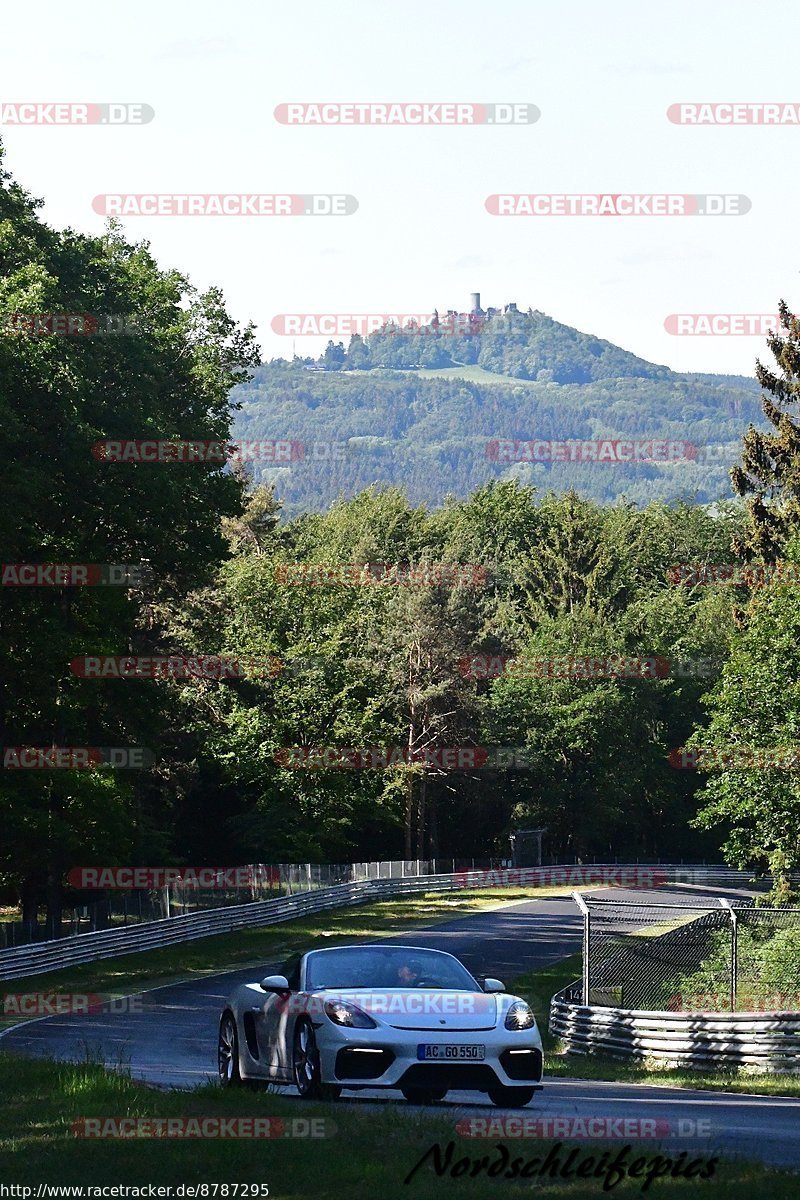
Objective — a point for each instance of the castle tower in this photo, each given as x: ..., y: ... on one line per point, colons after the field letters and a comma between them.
x: 475, y: 305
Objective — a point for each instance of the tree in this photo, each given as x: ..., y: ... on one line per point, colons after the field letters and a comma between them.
x: 769, y: 474
x: 756, y: 706
x: 168, y: 377
x: 334, y: 356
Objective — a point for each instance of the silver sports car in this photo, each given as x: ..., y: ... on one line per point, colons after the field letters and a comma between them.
x: 381, y: 1017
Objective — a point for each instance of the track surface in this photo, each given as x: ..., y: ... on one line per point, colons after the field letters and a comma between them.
x: 172, y: 1041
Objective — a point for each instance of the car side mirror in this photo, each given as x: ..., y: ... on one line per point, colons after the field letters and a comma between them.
x: 493, y: 985
x: 275, y: 983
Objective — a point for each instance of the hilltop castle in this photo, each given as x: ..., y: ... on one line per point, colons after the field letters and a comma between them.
x: 475, y: 316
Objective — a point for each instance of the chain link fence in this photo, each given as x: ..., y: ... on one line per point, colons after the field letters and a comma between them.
x: 729, y: 956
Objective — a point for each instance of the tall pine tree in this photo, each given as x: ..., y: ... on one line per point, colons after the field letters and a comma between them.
x: 769, y: 474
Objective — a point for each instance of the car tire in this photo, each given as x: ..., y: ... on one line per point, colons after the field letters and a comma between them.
x: 228, y: 1053
x: 511, y: 1097
x: 418, y: 1095
x: 306, y: 1067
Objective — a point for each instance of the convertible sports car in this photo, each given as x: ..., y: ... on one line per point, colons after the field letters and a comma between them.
x: 381, y: 1017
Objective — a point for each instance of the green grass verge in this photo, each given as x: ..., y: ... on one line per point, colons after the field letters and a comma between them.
x: 539, y: 986
x: 373, y: 1148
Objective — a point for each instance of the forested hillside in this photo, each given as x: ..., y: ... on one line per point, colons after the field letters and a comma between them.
x: 421, y: 409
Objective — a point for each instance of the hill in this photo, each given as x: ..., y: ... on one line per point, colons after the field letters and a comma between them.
x: 438, y: 410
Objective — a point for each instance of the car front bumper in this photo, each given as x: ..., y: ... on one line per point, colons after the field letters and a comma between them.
x: 387, y: 1058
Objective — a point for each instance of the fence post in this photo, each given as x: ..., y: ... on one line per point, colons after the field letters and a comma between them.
x: 734, y: 951
x: 582, y: 905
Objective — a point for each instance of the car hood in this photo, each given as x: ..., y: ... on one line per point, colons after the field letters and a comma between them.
x: 422, y: 1008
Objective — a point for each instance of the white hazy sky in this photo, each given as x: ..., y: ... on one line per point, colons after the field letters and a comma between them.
x: 603, y: 75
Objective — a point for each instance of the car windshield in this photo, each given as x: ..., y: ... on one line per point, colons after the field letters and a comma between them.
x: 381, y: 967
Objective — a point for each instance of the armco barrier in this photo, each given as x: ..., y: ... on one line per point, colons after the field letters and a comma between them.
x: 768, y: 1042
x: 110, y: 943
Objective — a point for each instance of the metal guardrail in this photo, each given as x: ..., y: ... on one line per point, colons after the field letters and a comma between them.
x: 40, y: 957
x: 53, y: 955
x: 767, y: 1041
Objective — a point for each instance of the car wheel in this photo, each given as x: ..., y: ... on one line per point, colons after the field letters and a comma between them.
x: 228, y: 1053
x: 511, y: 1097
x: 418, y: 1095
x: 306, y: 1068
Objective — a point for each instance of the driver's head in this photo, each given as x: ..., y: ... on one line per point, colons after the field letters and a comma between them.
x: 408, y: 973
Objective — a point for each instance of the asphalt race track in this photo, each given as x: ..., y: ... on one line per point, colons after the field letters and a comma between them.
x: 171, y: 1041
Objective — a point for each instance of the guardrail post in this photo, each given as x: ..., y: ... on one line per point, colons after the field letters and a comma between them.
x: 582, y: 905
x: 734, y: 951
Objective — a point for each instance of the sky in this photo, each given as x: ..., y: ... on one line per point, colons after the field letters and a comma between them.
x: 602, y: 76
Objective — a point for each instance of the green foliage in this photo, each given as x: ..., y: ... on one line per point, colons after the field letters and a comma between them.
x: 756, y: 704
x: 429, y: 435
x: 382, y: 665
x: 768, y: 475
x: 768, y: 970
x: 59, y: 395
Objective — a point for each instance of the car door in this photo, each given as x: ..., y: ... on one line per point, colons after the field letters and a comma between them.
x: 275, y: 1024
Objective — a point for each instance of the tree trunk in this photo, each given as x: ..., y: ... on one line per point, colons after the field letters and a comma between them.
x: 408, y: 818
x: 29, y: 901
x: 54, y: 904
x: 421, y: 815
x: 434, y: 827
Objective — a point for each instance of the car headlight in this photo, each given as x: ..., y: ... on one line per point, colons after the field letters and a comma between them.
x: 343, y: 1013
x: 520, y: 1016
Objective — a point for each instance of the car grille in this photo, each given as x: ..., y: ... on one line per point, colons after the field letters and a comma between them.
x: 352, y: 1063
x: 522, y: 1064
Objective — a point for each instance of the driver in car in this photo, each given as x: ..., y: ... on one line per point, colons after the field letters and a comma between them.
x: 408, y: 974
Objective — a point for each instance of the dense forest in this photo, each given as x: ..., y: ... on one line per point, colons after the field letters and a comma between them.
x: 352, y: 625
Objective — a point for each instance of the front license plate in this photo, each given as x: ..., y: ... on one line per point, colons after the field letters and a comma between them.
x: 442, y: 1052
